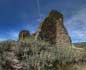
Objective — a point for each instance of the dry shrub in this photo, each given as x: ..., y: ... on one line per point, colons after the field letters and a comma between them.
x: 43, y: 56
x: 40, y: 55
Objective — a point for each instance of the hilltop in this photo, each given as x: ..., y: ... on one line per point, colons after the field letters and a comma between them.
x: 80, y: 44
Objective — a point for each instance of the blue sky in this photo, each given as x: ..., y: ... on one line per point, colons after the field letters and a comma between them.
x: 16, y: 15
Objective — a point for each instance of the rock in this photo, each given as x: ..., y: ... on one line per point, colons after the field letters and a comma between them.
x: 34, y: 34
x: 53, y: 30
x: 24, y: 34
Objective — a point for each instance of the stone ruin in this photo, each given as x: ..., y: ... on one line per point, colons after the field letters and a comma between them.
x: 24, y: 34
x: 53, y: 30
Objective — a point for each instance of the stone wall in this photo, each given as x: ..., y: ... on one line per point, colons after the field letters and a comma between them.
x: 53, y: 30
x: 24, y: 34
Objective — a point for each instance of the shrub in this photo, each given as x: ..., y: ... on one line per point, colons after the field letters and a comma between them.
x: 43, y: 56
x: 40, y: 55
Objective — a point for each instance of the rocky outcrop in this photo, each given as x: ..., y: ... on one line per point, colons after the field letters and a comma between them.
x: 24, y: 34
x: 34, y: 34
x: 52, y: 30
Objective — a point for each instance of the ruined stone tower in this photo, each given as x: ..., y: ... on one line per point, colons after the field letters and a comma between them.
x: 52, y: 30
x: 24, y: 34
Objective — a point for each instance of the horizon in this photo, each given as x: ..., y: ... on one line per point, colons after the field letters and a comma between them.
x: 16, y: 15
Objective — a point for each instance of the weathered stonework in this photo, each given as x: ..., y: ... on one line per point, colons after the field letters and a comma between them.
x: 24, y: 34
x: 52, y: 30
x: 33, y: 34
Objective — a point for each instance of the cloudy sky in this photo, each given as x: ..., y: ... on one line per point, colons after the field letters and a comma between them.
x: 16, y: 15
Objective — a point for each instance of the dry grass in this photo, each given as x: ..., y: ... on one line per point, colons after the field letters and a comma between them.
x: 39, y: 55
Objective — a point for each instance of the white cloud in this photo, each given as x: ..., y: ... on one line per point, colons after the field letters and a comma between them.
x: 77, y: 25
x: 77, y: 19
x: 2, y: 39
x: 41, y: 17
x: 13, y: 35
x: 79, y: 34
x: 33, y: 26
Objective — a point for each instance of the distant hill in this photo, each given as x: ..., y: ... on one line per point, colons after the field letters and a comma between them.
x: 81, y: 44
